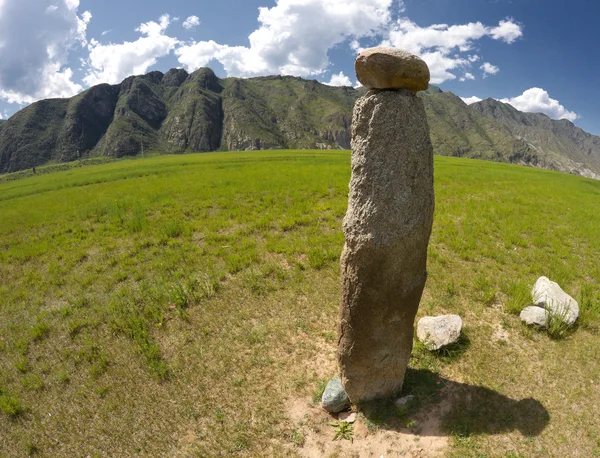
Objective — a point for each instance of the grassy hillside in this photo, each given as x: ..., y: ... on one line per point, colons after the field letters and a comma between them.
x: 174, y: 306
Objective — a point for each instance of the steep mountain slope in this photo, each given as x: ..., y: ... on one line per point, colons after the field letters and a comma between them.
x: 457, y: 130
x: 560, y: 144
x: 177, y: 112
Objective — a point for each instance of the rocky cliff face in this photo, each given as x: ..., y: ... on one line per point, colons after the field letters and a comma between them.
x: 559, y: 145
x: 456, y: 130
x: 177, y: 112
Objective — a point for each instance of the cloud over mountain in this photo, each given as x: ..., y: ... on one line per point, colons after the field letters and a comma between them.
x: 111, y: 63
x: 293, y: 37
x: 537, y: 100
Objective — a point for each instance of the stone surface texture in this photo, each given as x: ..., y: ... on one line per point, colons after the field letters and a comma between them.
x: 334, y: 397
x: 549, y: 295
x: 348, y: 417
x: 439, y: 331
x: 391, y: 68
x: 534, y: 316
x: 387, y: 228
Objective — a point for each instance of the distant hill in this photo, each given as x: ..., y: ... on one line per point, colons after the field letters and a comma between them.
x: 177, y: 112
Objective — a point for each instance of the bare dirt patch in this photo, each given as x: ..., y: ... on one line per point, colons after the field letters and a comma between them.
x: 314, y: 434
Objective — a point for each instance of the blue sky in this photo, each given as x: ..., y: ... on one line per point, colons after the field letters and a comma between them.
x: 538, y: 55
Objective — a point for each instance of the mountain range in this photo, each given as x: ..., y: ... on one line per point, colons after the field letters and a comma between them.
x: 178, y: 112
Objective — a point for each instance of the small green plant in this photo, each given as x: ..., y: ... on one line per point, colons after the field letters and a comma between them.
x: 182, y: 294
x: 589, y: 307
x: 172, y: 229
x: 342, y: 430
x: 39, y: 331
x: 451, y: 289
x: 557, y: 326
x: 10, y: 405
x: 518, y: 297
x: 318, y: 391
x: 297, y: 437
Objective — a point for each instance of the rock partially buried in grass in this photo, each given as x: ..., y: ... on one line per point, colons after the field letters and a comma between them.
x: 439, y: 331
x: 391, y: 68
x: 534, y: 316
x: 334, y: 397
x: 550, y: 296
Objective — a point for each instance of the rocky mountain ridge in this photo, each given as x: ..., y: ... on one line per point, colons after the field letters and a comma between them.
x: 557, y: 141
x: 176, y: 112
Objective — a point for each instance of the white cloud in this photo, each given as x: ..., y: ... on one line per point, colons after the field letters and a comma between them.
x: 508, y: 30
x: 408, y: 35
x: 537, y: 100
x: 441, y: 63
x: 467, y: 76
x: 470, y: 100
x: 444, y: 47
x: 489, y: 69
x: 154, y: 29
x: 106, y: 32
x: 339, y: 80
x: 112, y: 63
x: 191, y: 22
x: 36, y: 37
x: 293, y: 37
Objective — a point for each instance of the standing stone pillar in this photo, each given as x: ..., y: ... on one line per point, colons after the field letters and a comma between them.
x: 387, y: 226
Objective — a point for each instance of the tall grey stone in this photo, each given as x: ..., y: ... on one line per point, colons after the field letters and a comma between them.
x: 387, y: 228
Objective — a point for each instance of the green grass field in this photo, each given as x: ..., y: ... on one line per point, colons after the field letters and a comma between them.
x: 170, y: 306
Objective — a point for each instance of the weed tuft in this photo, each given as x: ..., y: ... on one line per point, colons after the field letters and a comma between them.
x: 557, y: 327
x: 342, y: 430
x: 518, y: 297
x: 10, y: 405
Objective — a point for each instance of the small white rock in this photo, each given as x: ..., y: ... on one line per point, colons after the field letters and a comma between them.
x: 534, y: 316
x: 439, y: 331
x: 549, y: 295
x: 348, y: 417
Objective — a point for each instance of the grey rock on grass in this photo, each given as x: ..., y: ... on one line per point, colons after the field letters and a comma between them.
x: 534, y: 316
x: 334, y: 397
x: 439, y: 331
x: 549, y: 295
